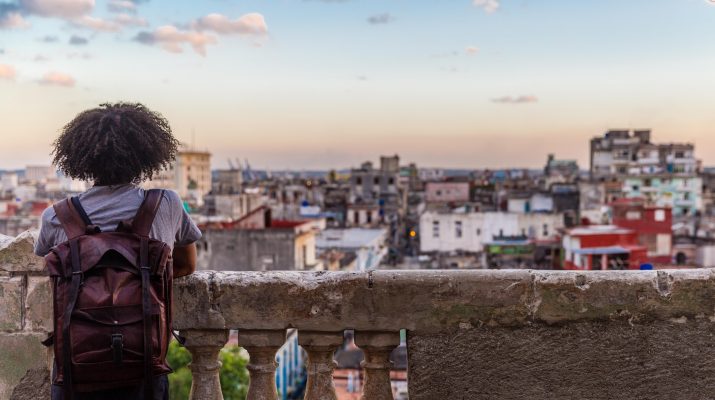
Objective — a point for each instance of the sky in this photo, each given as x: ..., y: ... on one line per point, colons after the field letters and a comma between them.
x: 314, y: 84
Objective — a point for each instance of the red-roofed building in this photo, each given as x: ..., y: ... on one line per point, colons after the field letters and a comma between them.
x: 652, y: 224
x: 257, y: 242
x: 603, y: 247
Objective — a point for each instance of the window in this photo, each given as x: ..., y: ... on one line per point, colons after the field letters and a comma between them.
x: 358, y: 180
x: 633, y: 215
x: 376, y: 180
x: 391, y: 181
x: 369, y: 217
x: 356, y: 217
x: 660, y: 215
x: 458, y: 229
x: 479, y: 232
x: 546, y: 230
x: 435, y: 229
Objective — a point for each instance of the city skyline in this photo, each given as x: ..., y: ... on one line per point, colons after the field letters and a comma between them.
x: 321, y: 84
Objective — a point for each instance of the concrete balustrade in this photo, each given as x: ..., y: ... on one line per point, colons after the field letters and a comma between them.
x: 470, y: 334
x: 204, y: 346
x: 320, y: 347
x: 262, y: 346
x: 377, y: 347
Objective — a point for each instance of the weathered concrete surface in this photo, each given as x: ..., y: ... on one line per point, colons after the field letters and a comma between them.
x: 436, y: 301
x: 494, y: 334
x: 35, y: 385
x: 21, y: 357
x: 25, y: 318
x: 11, y: 299
x: 38, y: 304
x: 586, y: 360
x: 17, y: 254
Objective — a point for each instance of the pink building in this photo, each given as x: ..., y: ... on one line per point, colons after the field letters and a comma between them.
x: 447, y: 192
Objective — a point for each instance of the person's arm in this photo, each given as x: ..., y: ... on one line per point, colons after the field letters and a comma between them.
x: 184, y: 260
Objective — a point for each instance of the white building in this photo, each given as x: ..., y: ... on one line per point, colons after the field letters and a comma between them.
x: 470, y: 231
x: 367, y: 244
x: 39, y: 173
x: 9, y: 181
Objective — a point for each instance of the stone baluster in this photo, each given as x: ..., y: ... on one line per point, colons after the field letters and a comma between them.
x: 377, y: 347
x: 262, y: 346
x: 204, y: 346
x: 320, y: 347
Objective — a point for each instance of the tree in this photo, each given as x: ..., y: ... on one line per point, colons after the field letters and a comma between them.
x: 234, y: 375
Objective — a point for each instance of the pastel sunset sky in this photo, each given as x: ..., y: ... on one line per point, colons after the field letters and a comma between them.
x: 329, y: 83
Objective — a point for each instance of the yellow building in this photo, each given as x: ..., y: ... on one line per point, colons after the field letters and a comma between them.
x: 189, y: 175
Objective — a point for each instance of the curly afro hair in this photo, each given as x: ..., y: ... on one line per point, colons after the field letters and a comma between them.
x: 115, y: 144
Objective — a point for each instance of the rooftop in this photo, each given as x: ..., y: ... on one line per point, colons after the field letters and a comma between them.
x: 599, y: 230
x: 349, y: 238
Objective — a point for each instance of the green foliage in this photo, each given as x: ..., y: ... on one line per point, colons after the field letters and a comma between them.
x: 234, y: 375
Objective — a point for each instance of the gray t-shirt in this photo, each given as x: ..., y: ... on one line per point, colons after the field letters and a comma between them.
x: 107, y: 205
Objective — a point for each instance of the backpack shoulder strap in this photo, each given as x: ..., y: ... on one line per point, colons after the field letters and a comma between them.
x: 141, y: 225
x: 70, y: 219
x: 80, y: 210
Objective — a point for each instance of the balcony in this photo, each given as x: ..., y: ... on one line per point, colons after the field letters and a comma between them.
x: 487, y: 334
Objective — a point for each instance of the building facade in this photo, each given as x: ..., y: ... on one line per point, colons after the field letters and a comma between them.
x: 602, y: 247
x: 652, y: 224
x: 256, y: 242
x: 464, y: 231
x: 189, y: 175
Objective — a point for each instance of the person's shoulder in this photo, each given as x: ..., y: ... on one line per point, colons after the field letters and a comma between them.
x: 171, y: 201
x: 49, y: 215
x: 172, y: 197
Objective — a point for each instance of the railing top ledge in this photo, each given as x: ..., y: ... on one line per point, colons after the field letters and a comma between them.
x: 429, y: 300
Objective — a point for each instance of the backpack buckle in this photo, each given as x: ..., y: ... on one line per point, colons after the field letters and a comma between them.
x: 117, y: 347
x: 81, y: 276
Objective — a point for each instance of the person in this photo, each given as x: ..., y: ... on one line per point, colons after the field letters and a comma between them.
x: 117, y: 146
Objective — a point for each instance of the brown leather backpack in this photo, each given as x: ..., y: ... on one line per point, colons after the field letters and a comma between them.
x: 112, y: 301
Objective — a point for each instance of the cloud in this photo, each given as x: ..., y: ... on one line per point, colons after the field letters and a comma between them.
x: 380, y: 19
x: 84, y: 56
x: 122, y: 6
x: 489, y: 6
x: 10, y: 17
x: 172, y: 39
x: 130, y: 20
x: 67, y: 9
x: 248, y: 24
x: 57, y: 79
x: 49, y: 39
x: 96, y: 24
x: 7, y: 72
x: 516, y: 100
x: 40, y: 58
x: 78, y: 40
x: 471, y: 50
